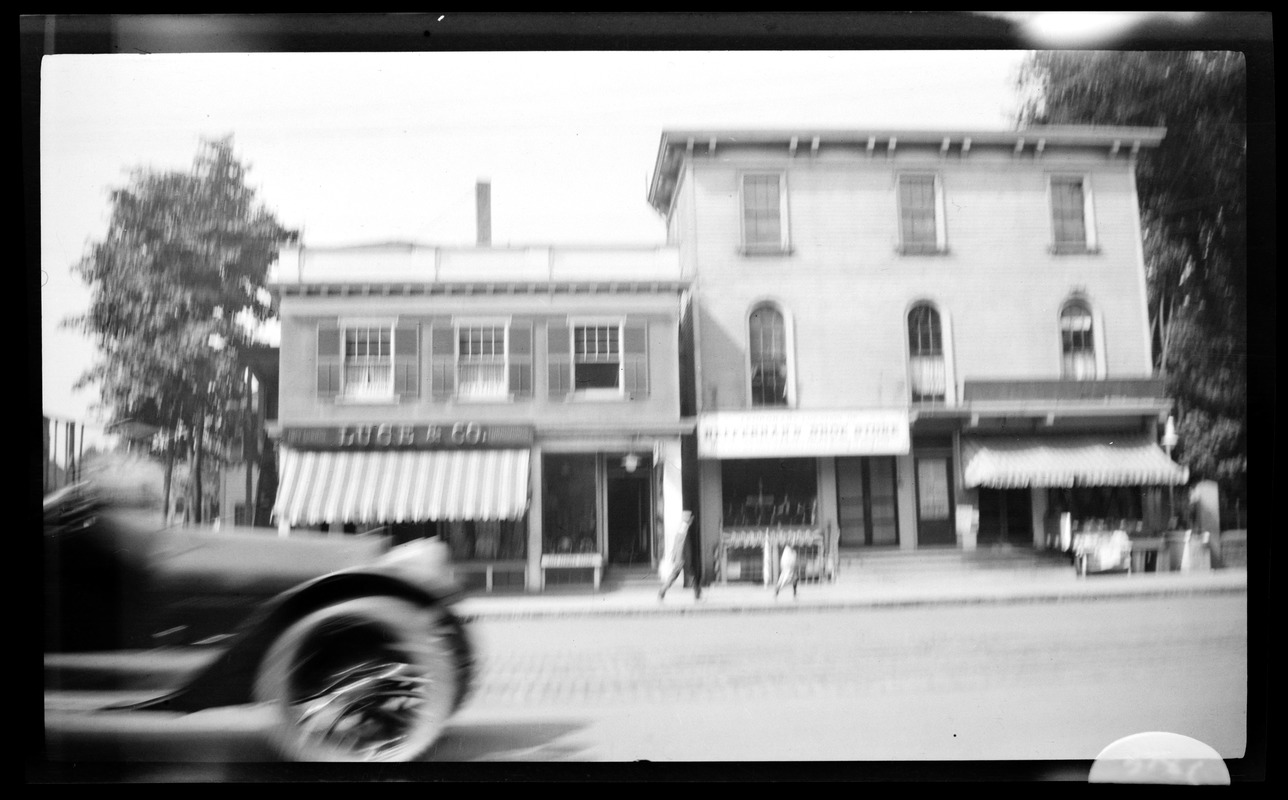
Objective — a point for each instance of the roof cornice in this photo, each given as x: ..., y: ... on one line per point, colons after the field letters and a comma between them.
x: 677, y: 144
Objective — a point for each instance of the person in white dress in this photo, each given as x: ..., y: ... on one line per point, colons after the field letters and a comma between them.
x: 674, y: 555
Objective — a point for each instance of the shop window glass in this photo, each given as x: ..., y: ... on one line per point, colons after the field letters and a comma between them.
x: 485, y: 540
x: 769, y: 491
x: 570, y: 503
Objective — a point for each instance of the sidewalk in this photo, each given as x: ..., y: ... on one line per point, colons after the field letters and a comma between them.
x: 992, y: 586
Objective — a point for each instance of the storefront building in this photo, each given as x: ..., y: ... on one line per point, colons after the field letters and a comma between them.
x: 914, y: 339
x: 521, y: 403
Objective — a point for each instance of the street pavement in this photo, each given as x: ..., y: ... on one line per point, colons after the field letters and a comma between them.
x: 854, y: 591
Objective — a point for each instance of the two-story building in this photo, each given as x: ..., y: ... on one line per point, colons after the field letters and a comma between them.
x: 522, y: 403
x: 909, y: 339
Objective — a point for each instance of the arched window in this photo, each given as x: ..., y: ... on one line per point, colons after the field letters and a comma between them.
x: 926, y: 354
x: 1077, y: 346
x: 767, y: 340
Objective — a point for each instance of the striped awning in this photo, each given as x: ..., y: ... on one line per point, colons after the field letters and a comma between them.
x: 329, y: 486
x: 1018, y: 462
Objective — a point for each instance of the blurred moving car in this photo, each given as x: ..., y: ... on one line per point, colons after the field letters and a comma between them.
x: 350, y: 641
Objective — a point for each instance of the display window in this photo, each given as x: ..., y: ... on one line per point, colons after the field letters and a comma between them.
x: 485, y: 540
x: 769, y: 492
x: 570, y: 503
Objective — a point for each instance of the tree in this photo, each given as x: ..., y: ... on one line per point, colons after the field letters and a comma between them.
x: 177, y: 289
x: 1194, y: 213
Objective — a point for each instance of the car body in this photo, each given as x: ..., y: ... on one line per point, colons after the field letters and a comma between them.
x: 350, y: 640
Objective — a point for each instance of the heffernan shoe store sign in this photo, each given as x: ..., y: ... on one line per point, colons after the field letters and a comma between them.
x: 786, y: 434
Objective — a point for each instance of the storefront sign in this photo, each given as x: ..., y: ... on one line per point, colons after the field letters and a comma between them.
x: 781, y: 434
x: 394, y: 436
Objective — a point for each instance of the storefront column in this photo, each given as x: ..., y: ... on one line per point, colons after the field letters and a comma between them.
x: 1039, y: 503
x: 906, y: 483
x: 711, y: 491
x: 535, y: 520
x: 829, y: 516
x: 669, y: 461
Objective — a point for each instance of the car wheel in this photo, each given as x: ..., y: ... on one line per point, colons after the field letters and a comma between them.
x: 370, y: 679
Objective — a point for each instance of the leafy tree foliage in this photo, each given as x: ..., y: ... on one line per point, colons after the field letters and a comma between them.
x: 177, y: 289
x: 1194, y: 212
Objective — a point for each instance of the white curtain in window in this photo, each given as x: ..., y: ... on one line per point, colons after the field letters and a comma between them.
x: 928, y: 377
x: 477, y: 379
x: 368, y: 378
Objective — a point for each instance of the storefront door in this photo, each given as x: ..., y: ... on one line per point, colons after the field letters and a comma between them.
x: 629, y: 515
x: 935, y: 501
x: 866, y: 502
x: 1005, y: 516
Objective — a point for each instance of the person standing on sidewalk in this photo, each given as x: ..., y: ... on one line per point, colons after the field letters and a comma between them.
x: 675, y: 553
x: 788, y: 574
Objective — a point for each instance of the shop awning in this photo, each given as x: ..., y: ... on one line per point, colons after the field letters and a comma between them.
x: 1018, y: 462
x: 330, y: 486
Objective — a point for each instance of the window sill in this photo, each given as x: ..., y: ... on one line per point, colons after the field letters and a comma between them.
x: 921, y: 250
x: 753, y: 251
x: 1073, y: 250
x: 387, y: 400
x: 484, y: 401
x: 598, y: 396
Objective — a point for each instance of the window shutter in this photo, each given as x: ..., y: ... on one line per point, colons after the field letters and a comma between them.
x: 407, y: 359
x: 442, y: 349
x: 521, y: 359
x: 329, y: 360
x: 559, y: 359
x: 635, y: 358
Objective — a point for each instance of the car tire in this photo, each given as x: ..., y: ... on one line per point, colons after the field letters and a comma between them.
x: 369, y: 679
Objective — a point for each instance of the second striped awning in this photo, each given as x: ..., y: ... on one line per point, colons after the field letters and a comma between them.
x: 318, y: 486
x: 1055, y: 461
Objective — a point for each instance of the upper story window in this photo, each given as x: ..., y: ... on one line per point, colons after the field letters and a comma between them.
x: 481, y: 359
x: 921, y: 214
x: 764, y: 212
x: 1077, y: 345
x: 368, y: 360
x: 1073, y: 228
x: 596, y: 357
x: 767, y: 348
x: 481, y: 369
x: 926, y: 354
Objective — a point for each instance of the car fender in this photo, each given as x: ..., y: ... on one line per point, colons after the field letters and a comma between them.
x: 229, y: 679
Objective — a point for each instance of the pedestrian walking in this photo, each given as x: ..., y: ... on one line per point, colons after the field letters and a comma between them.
x: 674, y: 554
x: 788, y: 575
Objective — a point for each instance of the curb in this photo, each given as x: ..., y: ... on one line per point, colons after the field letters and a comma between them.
x: 643, y: 604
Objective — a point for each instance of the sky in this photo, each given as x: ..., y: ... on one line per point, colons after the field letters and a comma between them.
x: 365, y: 147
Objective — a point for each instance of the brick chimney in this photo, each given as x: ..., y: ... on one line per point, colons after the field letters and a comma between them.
x: 483, y: 209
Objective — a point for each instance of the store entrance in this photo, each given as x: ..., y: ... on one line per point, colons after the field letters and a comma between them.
x: 629, y: 515
x: 1005, y: 517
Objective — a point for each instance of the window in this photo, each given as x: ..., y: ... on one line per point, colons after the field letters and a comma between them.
x: 368, y: 362
x: 926, y: 354
x: 921, y: 221
x: 768, y: 355
x: 764, y: 213
x: 1076, y: 342
x: 481, y: 362
x: 1072, y: 224
x: 596, y: 357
